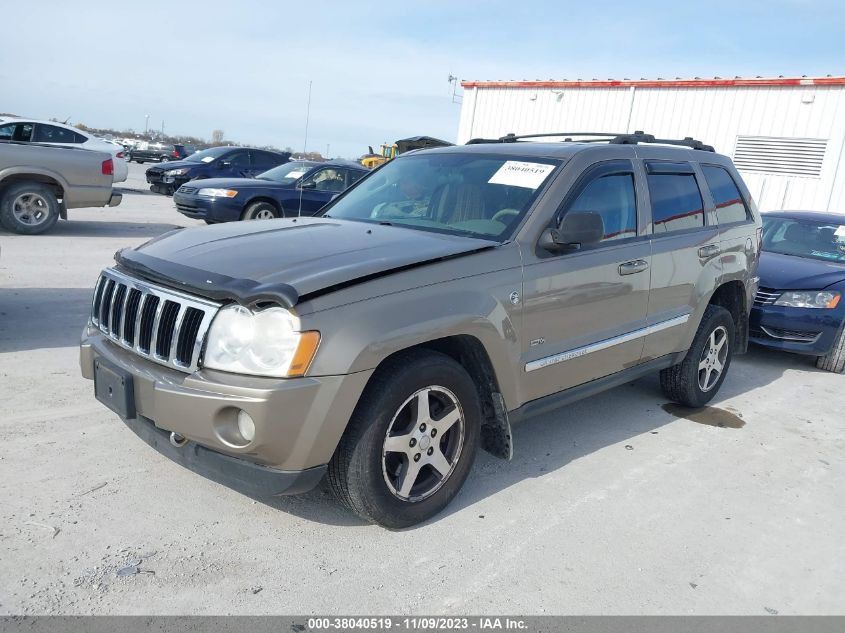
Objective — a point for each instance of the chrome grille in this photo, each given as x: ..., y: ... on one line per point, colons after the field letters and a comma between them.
x: 766, y: 296
x: 187, y: 189
x: 160, y: 324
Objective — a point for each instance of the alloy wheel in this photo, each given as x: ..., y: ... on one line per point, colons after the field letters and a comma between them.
x: 713, y: 358
x: 423, y: 444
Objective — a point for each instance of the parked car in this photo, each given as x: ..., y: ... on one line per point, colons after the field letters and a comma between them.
x: 39, y: 183
x: 799, y: 307
x: 52, y: 133
x: 447, y: 294
x: 160, y: 153
x: 217, y: 162
x: 292, y: 189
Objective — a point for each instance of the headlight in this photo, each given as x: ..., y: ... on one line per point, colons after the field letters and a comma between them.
x: 266, y: 343
x: 176, y: 172
x: 809, y: 299
x: 217, y: 193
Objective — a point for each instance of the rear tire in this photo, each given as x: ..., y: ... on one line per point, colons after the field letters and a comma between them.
x: 834, y: 360
x: 29, y: 208
x: 390, y: 438
x: 695, y: 380
x: 261, y: 211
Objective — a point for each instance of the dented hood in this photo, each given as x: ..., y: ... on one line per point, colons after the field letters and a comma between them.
x: 287, y: 259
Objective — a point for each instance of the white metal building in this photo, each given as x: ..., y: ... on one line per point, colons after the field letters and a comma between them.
x: 785, y: 135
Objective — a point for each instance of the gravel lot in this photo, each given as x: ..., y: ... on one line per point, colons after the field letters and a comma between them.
x: 614, y: 505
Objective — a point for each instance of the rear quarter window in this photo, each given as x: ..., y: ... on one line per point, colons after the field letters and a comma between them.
x: 730, y: 206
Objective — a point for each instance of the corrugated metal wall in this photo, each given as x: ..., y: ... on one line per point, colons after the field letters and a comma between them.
x: 715, y: 115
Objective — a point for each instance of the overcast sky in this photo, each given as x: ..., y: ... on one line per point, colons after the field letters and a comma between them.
x: 379, y: 69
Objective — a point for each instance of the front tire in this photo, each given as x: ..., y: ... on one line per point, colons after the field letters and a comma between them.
x: 411, y: 441
x: 29, y: 208
x: 163, y: 159
x: 695, y: 380
x: 261, y: 211
x: 834, y: 360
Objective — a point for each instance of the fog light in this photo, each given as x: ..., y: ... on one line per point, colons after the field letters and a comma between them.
x: 246, y: 427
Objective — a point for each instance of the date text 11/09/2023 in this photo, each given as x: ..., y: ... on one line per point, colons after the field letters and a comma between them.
x: 415, y: 624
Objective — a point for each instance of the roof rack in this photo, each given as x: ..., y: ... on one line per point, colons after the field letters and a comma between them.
x: 614, y: 138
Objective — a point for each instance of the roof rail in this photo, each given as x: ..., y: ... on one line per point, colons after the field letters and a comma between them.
x: 513, y: 138
x: 614, y: 138
x: 641, y: 137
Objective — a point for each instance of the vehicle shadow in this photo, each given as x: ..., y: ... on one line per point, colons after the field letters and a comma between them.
x: 42, y: 318
x: 103, y: 228
x: 624, y: 416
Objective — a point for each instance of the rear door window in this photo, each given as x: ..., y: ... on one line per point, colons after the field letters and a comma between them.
x: 730, y: 206
x: 676, y: 202
x: 354, y: 176
x: 266, y: 160
x: 54, y: 134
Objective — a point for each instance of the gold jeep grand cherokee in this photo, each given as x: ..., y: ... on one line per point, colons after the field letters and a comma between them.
x: 441, y: 298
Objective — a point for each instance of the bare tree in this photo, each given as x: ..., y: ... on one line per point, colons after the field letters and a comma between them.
x: 217, y: 137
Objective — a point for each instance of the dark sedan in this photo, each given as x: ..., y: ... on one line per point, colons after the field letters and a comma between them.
x: 217, y: 162
x: 295, y: 188
x: 799, y: 307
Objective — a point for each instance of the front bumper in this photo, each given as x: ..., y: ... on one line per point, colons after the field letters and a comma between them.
x: 808, y: 331
x: 204, y: 208
x: 298, y: 422
x: 160, y: 182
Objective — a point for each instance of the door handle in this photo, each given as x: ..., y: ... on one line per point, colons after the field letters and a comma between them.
x: 636, y: 266
x: 709, y: 251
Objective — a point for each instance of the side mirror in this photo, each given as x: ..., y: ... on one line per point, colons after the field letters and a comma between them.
x: 578, y: 229
x: 308, y: 185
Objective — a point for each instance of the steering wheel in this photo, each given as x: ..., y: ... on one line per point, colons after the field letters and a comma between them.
x: 504, y: 212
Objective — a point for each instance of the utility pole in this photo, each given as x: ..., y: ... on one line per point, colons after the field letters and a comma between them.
x: 162, y: 127
x: 328, y: 155
x: 147, y: 125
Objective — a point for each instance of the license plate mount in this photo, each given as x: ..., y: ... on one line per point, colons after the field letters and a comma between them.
x: 114, y: 387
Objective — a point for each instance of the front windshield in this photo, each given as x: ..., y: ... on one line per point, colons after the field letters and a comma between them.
x: 483, y: 196
x: 804, y: 238
x: 208, y: 155
x: 288, y: 173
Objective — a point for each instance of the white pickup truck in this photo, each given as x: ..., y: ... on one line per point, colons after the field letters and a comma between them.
x: 39, y: 183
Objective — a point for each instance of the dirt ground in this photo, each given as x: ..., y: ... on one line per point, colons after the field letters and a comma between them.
x: 614, y: 505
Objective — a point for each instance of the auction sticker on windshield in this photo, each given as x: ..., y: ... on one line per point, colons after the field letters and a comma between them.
x: 519, y: 174
x: 840, y: 232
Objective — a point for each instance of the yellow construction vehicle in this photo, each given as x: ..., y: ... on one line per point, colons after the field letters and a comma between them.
x: 390, y: 151
x: 371, y: 160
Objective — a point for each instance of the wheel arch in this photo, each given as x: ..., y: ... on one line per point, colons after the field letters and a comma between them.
x: 731, y: 295
x: 14, y: 177
x: 469, y: 352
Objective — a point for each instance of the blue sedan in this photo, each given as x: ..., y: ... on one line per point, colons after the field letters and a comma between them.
x: 799, y: 306
x: 295, y: 188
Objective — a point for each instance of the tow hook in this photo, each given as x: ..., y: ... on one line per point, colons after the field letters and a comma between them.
x: 178, y: 440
